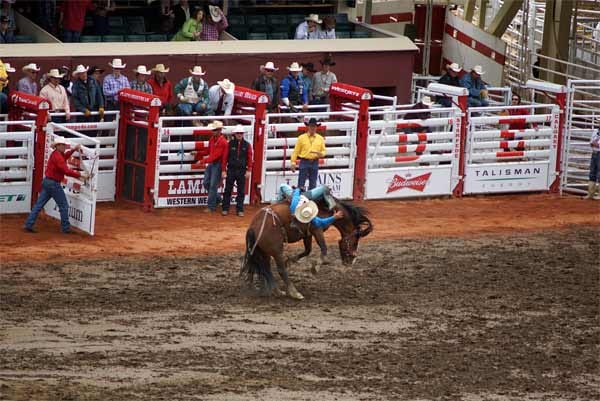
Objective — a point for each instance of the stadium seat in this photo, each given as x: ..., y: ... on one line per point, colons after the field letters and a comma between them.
x: 279, y: 35
x: 236, y: 20
x: 24, y: 39
x: 295, y: 19
x: 136, y: 25
x: 118, y: 30
x: 113, y: 38
x: 277, y: 20
x: 115, y: 21
x: 345, y: 26
x: 91, y: 38
x: 156, y: 37
x: 259, y: 29
x: 136, y: 38
x: 253, y: 20
x: 239, y: 32
x: 257, y: 36
x: 342, y: 34
x: 360, y: 34
x: 341, y: 18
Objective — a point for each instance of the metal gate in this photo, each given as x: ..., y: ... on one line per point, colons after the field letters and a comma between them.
x: 16, y: 165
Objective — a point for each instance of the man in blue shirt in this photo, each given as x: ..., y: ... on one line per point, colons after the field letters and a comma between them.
x: 306, y: 211
x: 292, y: 88
x: 477, y: 90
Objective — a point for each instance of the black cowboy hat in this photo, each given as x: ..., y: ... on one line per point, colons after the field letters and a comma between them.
x: 328, y: 61
x: 312, y: 121
x: 94, y: 69
x: 309, y: 66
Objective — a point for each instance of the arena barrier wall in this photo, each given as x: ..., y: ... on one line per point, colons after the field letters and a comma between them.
x: 16, y: 165
x: 500, y: 159
x: 335, y: 170
x: 107, y: 133
x: 413, y: 157
x: 179, y: 176
x: 80, y: 194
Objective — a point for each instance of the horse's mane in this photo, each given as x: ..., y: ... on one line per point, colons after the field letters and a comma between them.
x: 357, y: 214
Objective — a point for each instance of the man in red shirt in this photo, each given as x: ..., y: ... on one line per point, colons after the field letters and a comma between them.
x: 215, y: 163
x: 517, y: 125
x: 72, y: 18
x: 239, y: 165
x: 161, y: 86
x: 51, y: 186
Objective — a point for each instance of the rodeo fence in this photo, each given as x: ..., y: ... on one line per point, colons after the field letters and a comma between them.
x: 16, y: 165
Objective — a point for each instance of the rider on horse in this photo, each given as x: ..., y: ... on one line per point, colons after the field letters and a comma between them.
x: 304, y: 208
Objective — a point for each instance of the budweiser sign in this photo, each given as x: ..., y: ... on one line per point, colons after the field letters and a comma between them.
x: 417, y: 183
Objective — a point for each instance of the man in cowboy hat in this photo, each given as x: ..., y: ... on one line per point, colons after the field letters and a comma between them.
x: 161, y: 86
x: 308, y: 69
x: 309, y: 29
x: 449, y: 78
x: 309, y: 148
x: 292, y: 88
x: 87, y: 95
x: 56, y: 169
x: 221, y: 98
x: 322, y: 81
x: 214, y: 23
x: 267, y: 83
x: 192, y: 93
x: 140, y: 83
x: 113, y: 83
x: 305, y: 211
x: 477, y: 90
x: 28, y: 84
x: 239, y: 166
x: 56, y: 94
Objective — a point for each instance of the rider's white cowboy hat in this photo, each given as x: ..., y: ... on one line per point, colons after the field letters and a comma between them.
x: 294, y: 67
x: 478, y: 70
x: 426, y: 100
x: 30, y: 67
x: 197, y: 70
x: 55, y: 74
x: 80, y: 68
x: 270, y: 66
x: 215, y: 125
x: 215, y: 14
x: 141, y: 69
x: 227, y: 86
x: 59, y: 140
x: 117, y: 63
x: 307, y: 211
x: 454, y: 67
x: 313, y: 18
x: 160, y: 68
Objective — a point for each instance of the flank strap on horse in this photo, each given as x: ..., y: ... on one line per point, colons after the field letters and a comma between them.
x: 267, y: 211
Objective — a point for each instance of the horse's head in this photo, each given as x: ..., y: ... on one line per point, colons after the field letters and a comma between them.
x: 352, y: 227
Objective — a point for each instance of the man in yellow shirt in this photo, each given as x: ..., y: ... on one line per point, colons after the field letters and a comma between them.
x: 309, y: 148
x: 3, y: 83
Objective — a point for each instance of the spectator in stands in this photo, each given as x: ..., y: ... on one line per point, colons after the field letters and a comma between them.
x: 56, y: 94
x: 192, y: 93
x: 103, y: 8
x: 322, y: 82
x: 221, y: 98
x: 161, y: 86
x: 449, y: 78
x: 594, y: 183
x: 65, y: 81
x: 8, y: 12
x: 309, y: 148
x: 140, y: 82
x: 267, y: 83
x: 113, y: 83
x: 516, y: 125
x: 292, y: 89
x: 327, y: 28
x: 191, y: 28
x: 6, y: 34
x: 239, y: 166
x: 28, y: 83
x: 309, y: 29
x: 308, y: 69
x: 477, y: 89
x: 46, y: 15
x: 96, y: 73
x: 3, y: 87
x: 87, y: 95
x: 72, y: 18
x: 213, y: 24
x: 182, y: 12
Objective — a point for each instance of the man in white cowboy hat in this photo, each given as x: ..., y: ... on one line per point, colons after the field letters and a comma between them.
x: 292, y: 88
x: 214, y: 23
x: 221, y: 98
x: 310, y: 147
x: 309, y: 29
x: 56, y: 94
x: 161, y: 86
x: 56, y: 169
x: 306, y: 211
x: 477, y: 90
x: 239, y: 166
x: 28, y: 84
x: 192, y: 93
x: 87, y: 95
x: 140, y: 82
x: 267, y: 83
x: 113, y: 83
x: 449, y: 78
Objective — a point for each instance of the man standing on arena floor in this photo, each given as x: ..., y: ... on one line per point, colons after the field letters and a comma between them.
x: 239, y: 166
x: 215, y: 163
x: 113, y: 83
x: 594, y: 183
x: 309, y: 148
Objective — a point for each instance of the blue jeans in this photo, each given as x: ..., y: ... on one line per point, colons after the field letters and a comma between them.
x: 595, y: 167
x: 51, y: 189
x: 309, y: 169
x: 71, y: 36
x: 212, y: 179
x: 477, y: 102
x: 3, y: 103
x: 186, y: 109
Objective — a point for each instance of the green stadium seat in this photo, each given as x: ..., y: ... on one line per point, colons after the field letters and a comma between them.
x: 295, y: 19
x: 91, y: 38
x: 118, y: 30
x: 346, y: 27
x: 279, y: 35
x: 257, y: 36
x: 136, y: 25
x: 280, y: 28
x: 360, y: 34
x: 342, y: 34
x: 341, y: 18
x: 115, y: 21
x: 113, y: 38
x: 259, y: 29
x: 136, y: 38
x: 24, y: 39
x: 277, y: 20
x: 239, y: 32
x: 156, y: 37
x: 253, y: 20
x: 236, y: 20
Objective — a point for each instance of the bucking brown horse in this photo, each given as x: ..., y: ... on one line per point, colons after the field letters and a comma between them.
x: 270, y: 230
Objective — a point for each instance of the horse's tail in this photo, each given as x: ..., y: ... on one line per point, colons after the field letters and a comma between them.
x: 256, y: 262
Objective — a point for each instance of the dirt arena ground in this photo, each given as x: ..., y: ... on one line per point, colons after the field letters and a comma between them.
x: 474, y: 299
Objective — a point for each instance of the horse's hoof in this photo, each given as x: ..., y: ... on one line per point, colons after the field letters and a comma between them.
x: 293, y: 293
x: 278, y: 293
x: 324, y: 260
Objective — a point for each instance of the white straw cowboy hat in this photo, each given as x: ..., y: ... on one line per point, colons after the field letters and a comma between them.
x: 214, y: 13
x: 313, y: 18
x: 80, y: 68
x: 426, y: 100
x: 478, y: 70
x: 30, y: 67
x: 59, y: 140
x: 454, y: 67
x: 270, y: 66
x: 160, y: 68
x: 227, y: 86
x: 55, y: 74
x: 306, y: 211
x: 197, y: 70
x: 294, y: 67
x: 239, y: 129
x: 141, y: 69
x: 215, y: 125
x: 9, y: 68
x: 117, y: 63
